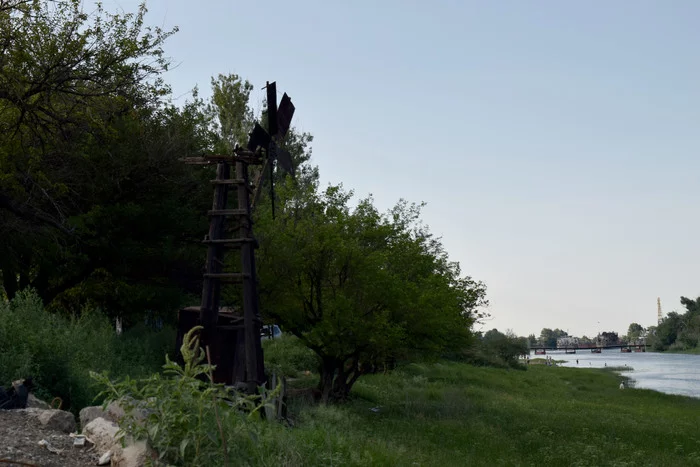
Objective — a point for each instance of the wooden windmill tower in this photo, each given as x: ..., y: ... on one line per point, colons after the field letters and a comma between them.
x: 233, y: 335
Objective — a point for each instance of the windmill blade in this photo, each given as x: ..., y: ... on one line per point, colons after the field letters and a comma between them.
x: 272, y: 108
x: 285, y: 161
x: 282, y: 156
x: 285, y: 112
x: 258, y: 138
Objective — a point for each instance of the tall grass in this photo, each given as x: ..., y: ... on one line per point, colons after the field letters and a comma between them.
x: 454, y: 414
x: 59, y: 352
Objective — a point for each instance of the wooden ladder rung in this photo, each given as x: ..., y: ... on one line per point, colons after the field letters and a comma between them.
x: 227, y: 212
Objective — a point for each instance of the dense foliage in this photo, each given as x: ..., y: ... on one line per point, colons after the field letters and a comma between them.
x: 498, y: 349
x: 58, y: 352
x: 95, y: 207
x: 360, y: 288
x: 548, y: 337
x: 678, y: 331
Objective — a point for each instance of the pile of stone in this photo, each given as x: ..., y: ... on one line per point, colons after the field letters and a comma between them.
x: 100, y: 427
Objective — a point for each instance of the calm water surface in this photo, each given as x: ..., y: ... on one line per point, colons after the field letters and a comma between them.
x: 669, y: 373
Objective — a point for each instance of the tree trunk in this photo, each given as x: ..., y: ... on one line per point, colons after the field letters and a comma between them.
x: 328, y: 370
x: 339, y: 385
x: 337, y: 379
x: 9, y: 282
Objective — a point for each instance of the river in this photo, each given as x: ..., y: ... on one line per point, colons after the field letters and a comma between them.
x: 664, y: 372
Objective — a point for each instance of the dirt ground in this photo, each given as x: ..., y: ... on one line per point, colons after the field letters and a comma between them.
x: 19, y: 444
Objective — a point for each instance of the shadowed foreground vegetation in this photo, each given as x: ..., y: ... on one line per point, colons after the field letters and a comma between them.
x: 443, y: 413
x: 59, y: 351
x: 450, y: 413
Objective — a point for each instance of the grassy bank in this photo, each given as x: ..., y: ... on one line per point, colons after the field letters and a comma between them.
x: 455, y: 414
x: 694, y: 351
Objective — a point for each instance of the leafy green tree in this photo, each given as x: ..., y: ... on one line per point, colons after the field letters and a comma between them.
x: 532, y: 340
x: 64, y: 77
x: 95, y: 205
x: 548, y: 337
x: 635, y: 331
x: 360, y: 288
x: 507, y: 347
x: 689, y: 335
x: 667, y: 330
x: 610, y: 338
x: 692, y: 306
x: 230, y: 107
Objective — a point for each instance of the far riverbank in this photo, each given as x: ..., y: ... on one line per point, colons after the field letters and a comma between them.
x: 670, y: 373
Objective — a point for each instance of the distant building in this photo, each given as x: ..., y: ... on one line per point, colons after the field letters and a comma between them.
x: 567, y: 342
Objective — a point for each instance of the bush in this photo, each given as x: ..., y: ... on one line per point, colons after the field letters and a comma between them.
x: 59, y: 352
x: 498, y: 350
x: 189, y: 420
x: 287, y: 356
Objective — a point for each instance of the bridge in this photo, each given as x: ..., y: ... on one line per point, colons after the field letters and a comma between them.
x: 594, y: 349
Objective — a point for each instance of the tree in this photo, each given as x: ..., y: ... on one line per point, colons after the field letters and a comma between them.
x: 508, y: 347
x: 64, y: 76
x: 360, y: 288
x: 610, y: 338
x: 532, y: 340
x: 95, y: 206
x: 692, y: 306
x: 230, y: 107
x: 635, y: 332
x: 548, y: 337
x: 667, y: 330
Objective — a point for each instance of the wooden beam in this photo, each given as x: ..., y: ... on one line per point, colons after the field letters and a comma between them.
x: 227, y: 277
x: 230, y: 181
x: 227, y: 212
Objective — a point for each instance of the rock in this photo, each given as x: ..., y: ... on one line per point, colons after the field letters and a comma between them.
x: 115, y: 411
x: 58, y: 420
x: 35, y: 402
x: 105, y: 458
x: 88, y: 414
x: 136, y: 454
x: 103, y: 433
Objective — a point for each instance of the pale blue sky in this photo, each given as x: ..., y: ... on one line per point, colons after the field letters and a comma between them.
x: 555, y: 142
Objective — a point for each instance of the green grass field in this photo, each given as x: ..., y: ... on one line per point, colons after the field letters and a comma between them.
x: 456, y: 414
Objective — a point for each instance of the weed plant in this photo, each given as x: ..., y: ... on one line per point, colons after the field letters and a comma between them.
x: 186, y: 418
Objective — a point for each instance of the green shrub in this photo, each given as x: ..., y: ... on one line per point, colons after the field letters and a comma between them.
x: 185, y: 417
x: 287, y: 356
x: 59, y: 351
x: 484, y: 354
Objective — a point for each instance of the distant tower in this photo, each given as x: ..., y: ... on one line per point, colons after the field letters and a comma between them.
x: 658, y: 309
